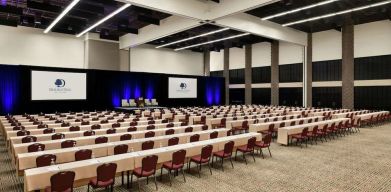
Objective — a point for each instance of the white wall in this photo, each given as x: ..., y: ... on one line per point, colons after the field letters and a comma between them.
x: 217, y: 60
x: 237, y: 58
x: 290, y: 53
x: 326, y: 45
x: 372, y: 39
x: 29, y: 46
x: 146, y: 58
x: 261, y: 54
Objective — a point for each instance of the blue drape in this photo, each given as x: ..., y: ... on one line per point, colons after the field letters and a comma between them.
x: 9, y: 88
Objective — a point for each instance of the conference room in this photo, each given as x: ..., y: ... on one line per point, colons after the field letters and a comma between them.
x: 195, y: 95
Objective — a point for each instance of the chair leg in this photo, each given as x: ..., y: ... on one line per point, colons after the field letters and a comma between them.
x: 252, y: 153
x: 161, y: 174
x: 122, y: 177
x: 88, y: 187
x: 131, y: 180
x: 268, y: 148
x: 222, y: 164
x: 199, y: 170
x: 230, y: 159
x: 244, y: 157
x: 169, y: 175
x: 138, y: 183
x: 261, y: 152
x: 183, y: 173
x: 236, y: 153
x: 210, y: 168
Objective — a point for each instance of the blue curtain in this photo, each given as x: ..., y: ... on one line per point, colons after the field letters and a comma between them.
x: 9, y: 88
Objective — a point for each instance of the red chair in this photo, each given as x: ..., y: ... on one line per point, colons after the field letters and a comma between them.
x: 293, y: 123
x: 173, y: 141
x: 22, y: 133
x: 265, y: 143
x: 150, y: 127
x: 132, y: 129
x: 149, y: 134
x: 111, y: 131
x: 121, y: 149
x: 301, y: 137
x: 93, y: 127
x: 115, y: 125
x: 188, y: 129
x: 249, y: 148
x: 170, y: 132
x: 223, y: 123
x: 57, y: 136
x: 204, y: 158
x: 83, y: 154
x: 68, y: 144
x: 202, y: 121
x: 177, y: 163
x: 29, y: 139
x: 357, y: 124
x: 313, y: 135
x: 332, y: 130
x: 74, y: 128
x: 169, y: 125
x: 41, y: 126
x: 88, y: 133
x: 101, y: 139
x: 147, y: 169
x: 225, y: 154
x: 61, y: 182
x: 105, y: 177
x: 85, y: 123
x: 65, y: 124
x: 35, y: 147
x: 194, y: 138
x: 146, y: 145
x: 45, y: 160
x: 322, y: 133
x: 48, y: 131
x: 213, y: 135
x: 270, y: 130
x: 151, y: 122
x: 125, y: 137
x: 204, y: 127
x: 133, y: 123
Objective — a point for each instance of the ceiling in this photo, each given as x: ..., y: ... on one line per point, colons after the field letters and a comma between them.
x: 40, y: 13
x: 335, y: 22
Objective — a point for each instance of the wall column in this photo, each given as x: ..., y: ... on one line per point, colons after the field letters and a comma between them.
x: 308, y: 71
x: 207, y: 63
x: 274, y: 73
x: 348, y: 66
x: 226, y: 74
x: 247, y: 75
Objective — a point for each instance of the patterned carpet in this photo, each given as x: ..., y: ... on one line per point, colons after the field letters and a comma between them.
x: 357, y: 162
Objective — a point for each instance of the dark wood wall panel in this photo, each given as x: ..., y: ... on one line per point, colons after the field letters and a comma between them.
x: 369, y: 68
x: 261, y: 74
x: 327, y: 70
x: 378, y: 97
x: 236, y: 76
x: 291, y: 96
x: 291, y: 72
x: 261, y: 96
x: 216, y: 73
x: 236, y: 96
x: 327, y: 97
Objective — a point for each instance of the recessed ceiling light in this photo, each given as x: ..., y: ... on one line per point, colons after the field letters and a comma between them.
x: 214, y: 41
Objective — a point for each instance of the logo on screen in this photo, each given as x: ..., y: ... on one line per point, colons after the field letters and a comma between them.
x: 183, y: 85
x: 60, y: 82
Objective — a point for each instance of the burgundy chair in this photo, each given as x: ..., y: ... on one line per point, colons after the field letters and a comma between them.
x: 213, y: 135
x: 170, y: 132
x: 104, y: 122
x: 120, y: 149
x: 65, y: 124
x: 169, y: 125
x: 41, y: 126
x: 223, y: 123
x: 265, y: 143
x: 89, y: 133
x: 17, y: 128
x: 314, y: 134
x: 149, y: 134
x: 270, y: 130
x: 95, y: 119
x: 61, y: 182
x: 74, y: 128
x: 184, y: 123
x: 356, y: 124
x: 48, y: 131
x: 133, y: 123
x: 322, y: 133
x: 293, y: 123
x: 120, y: 120
x: 225, y: 153
x: 29, y: 139
x: 101, y: 139
x: 303, y: 137
x: 204, y: 127
x: 202, y: 121
x: 150, y: 127
x: 94, y: 127
x: 83, y: 154
x: 132, y: 129
x: 111, y: 131
x: 35, y: 147
x: 204, y: 158
x: 177, y: 163
x: 188, y: 129
x: 85, y: 123
x: 173, y: 141
x: 147, y: 169
x: 332, y: 130
x: 301, y: 122
x: 57, y: 136
x: 68, y: 144
x: 194, y: 138
x: 115, y: 125
x: 125, y: 137
x: 45, y: 160
x: 22, y: 133
x: 165, y: 121
x: 105, y: 177
x: 146, y: 145
x: 248, y: 148
x: 151, y: 122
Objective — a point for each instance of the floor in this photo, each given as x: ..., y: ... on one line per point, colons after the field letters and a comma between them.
x: 357, y: 162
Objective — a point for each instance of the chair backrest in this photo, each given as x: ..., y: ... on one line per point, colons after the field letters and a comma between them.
x: 178, y: 157
x: 40, y: 126
x: 89, y: 133
x: 35, y: 147
x: 149, y: 134
x: 57, y: 136
x: 68, y: 144
x: 16, y: 128
x: 115, y: 125
x: 251, y: 143
x: 48, y: 131
x: 325, y: 126
x: 148, y: 163
x: 170, y: 132
x: 62, y: 181
x: 301, y: 122
x: 195, y: 138
x: 74, y: 128
x: 101, y: 139
x: 271, y: 127
x: 150, y: 127
x: 97, y: 126
x: 45, y: 160
x: 267, y: 139
x: 106, y: 172
x: 293, y: 123
x: 315, y: 130
x: 170, y: 125
x: 204, y: 127
x: 229, y: 147
x: 125, y: 137
x: 304, y: 132
x: 146, y: 145
x: 83, y: 154
x: 173, y: 141
x: 65, y: 124
x: 151, y: 122
x: 111, y: 131
x: 206, y: 152
x: 188, y: 129
x: 213, y: 135
x: 85, y: 123
x: 132, y: 129
x: 282, y: 124
x: 22, y: 133
x: 120, y: 149
x: 29, y: 139
x: 309, y: 120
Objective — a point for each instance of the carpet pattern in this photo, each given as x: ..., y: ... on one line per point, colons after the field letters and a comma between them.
x: 357, y: 162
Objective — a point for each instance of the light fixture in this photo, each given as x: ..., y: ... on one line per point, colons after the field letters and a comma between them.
x: 214, y: 41
x: 299, y: 9
x: 59, y: 17
x: 190, y: 38
x: 337, y: 13
x: 104, y: 19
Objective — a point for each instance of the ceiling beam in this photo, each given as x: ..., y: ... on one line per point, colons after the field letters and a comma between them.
x: 146, y: 19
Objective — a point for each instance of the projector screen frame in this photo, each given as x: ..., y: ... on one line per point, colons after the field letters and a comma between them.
x: 182, y: 77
